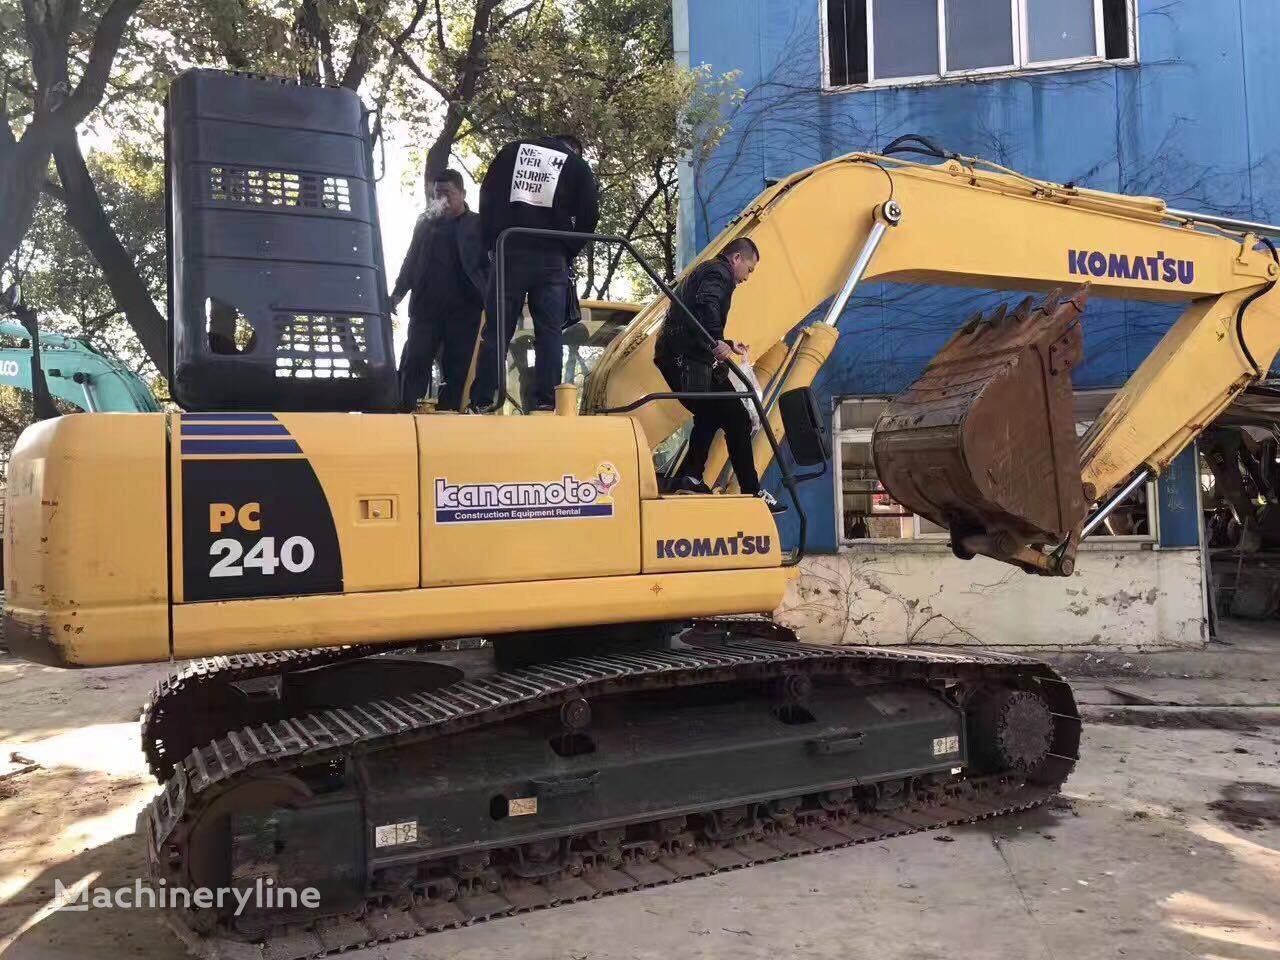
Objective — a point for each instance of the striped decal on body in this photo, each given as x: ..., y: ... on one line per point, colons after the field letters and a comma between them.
x: 237, y: 434
x: 234, y: 430
x: 247, y: 445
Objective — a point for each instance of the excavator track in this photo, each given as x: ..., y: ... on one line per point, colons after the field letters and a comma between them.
x: 1024, y: 713
x: 188, y: 707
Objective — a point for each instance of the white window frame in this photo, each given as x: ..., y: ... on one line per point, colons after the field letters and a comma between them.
x: 1021, y: 45
x: 840, y: 436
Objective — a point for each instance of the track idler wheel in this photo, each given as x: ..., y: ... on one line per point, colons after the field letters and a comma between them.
x: 1009, y: 730
x: 203, y: 856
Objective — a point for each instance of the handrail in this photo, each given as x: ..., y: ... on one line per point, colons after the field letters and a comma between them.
x: 500, y: 355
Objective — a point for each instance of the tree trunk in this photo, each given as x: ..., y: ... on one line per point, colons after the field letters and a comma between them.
x: 468, y: 76
x: 438, y: 154
x: 24, y: 163
x: 22, y: 168
x: 85, y: 214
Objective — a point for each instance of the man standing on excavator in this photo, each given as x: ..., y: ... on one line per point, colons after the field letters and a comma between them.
x: 445, y: 274
x: 690, y: 364
x: 541, y: 183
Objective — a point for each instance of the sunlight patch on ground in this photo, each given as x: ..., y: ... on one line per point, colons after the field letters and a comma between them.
x: 1200, y: 916
x: 110, y: 748
x: 77, y: 837
x: 45, y: 910
x: 1246, y: 851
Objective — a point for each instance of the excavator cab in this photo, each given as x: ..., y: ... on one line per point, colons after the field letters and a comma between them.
x: 983, y: 443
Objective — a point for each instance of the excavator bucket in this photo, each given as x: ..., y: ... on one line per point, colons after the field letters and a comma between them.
x: 984, y: 442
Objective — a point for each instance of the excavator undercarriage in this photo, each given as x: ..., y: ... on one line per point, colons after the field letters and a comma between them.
x: 486, y: 792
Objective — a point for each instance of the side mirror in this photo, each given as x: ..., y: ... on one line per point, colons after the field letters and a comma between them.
x: 803, y: 425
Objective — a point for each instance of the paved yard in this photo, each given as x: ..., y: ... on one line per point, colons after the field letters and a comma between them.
x: 1166, y: 844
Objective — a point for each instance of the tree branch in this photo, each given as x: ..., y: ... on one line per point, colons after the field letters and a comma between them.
x: 500, y: 24
x: 616, y: 256
x: 363, y: 50
x: 414, y: 68
x: 84, y: 212
x: 470, y: 66
x: 93, y: 82
x: 309, y: 23
x: 444, y: 48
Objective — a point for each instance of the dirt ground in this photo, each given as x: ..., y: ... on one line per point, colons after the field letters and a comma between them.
x: 1166, y: 844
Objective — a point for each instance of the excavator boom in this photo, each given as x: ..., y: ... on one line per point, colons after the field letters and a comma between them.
x: 967, y: 223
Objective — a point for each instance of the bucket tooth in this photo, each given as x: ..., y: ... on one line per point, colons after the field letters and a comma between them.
x: 1051, y: 302
x: 1023, y: 310
x: 983, y: 442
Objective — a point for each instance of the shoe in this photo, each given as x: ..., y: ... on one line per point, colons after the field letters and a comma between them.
x: 771, y: 502
x: 690, y: 485
x: 474, y: 408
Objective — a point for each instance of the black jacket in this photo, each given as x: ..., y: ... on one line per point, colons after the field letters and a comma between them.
x: 471, y: 252
x: 539, y: 183
x: 708, y: 292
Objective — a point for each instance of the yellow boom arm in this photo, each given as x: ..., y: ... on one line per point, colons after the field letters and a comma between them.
x: 968, y: 224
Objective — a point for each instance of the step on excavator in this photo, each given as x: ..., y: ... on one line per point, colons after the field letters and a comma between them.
x: 441, y: 669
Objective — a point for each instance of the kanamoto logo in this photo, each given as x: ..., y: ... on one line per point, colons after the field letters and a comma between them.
x: 569, y: 498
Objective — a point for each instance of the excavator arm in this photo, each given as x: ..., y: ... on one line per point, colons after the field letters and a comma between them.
x: 967, y: 223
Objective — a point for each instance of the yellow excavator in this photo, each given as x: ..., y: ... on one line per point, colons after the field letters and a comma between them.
x: 440, y: 669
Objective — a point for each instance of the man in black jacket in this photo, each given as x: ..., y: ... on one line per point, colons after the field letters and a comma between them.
x: 536, y: 183
x: 446, y: 274
x: 690, y: 363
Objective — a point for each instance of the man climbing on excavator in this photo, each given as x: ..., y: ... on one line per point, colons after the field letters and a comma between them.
x: 689, y: 365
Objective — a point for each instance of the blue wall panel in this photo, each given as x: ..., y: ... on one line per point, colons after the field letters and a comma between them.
x: 1193, y: 123
x: 1176, y: 493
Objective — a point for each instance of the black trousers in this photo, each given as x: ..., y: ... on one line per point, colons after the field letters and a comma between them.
x: 709, y: 417
x: 448, y: 332
x: 541, y: 275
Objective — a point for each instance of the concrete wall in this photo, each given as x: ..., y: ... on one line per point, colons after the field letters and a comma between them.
x: 1127, y: 596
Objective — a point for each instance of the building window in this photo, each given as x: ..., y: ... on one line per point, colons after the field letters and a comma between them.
x: 918, y: 41
x: 865, y: 511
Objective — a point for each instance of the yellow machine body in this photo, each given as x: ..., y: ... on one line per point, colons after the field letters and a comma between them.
x: 139, y: 537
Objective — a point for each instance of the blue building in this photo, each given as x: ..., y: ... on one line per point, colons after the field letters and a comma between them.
x: 1152, y: 97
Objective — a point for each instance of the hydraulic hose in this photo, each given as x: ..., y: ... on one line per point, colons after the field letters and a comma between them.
x: 1257, y: 371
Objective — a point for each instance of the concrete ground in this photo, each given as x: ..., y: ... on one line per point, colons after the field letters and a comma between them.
x: 1166, y: 843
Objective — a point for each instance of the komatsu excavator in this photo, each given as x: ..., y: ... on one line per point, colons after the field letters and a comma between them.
x: 629, y: 715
